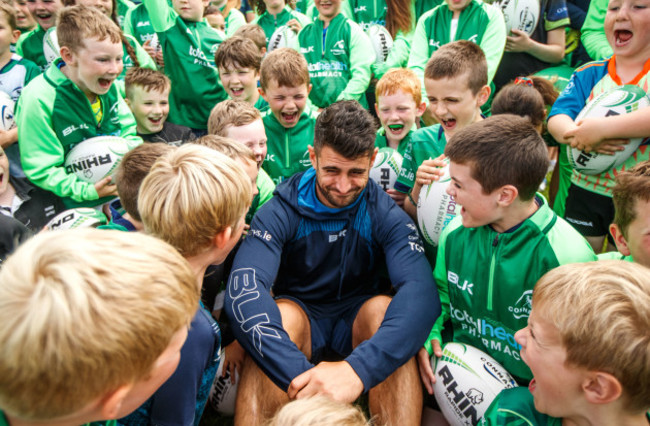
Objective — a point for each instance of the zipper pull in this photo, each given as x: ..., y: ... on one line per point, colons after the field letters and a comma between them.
x: 495, y: 241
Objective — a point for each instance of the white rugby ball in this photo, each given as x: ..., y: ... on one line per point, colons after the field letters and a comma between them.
x: 82, y: 217
x: 617, y: 101
x: 467, y: 381
x: 436, y: 208
x: 381, y: 40
x: 51, y: 49
x: 155, y: 43
x: 522, y: 15
x: 223, y: 393
x: 95, y: 158
x: 283, y: 36
x: 386, y: 168
x: 6, y: 112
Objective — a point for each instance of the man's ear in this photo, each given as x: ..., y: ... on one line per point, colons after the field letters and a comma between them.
x: 312, y: 156
x: 619, y: 239
x: 111, y: 403
x: 483, y: 95
x: 507, y: 195
x: 601, y: 388
x: 373, y: 156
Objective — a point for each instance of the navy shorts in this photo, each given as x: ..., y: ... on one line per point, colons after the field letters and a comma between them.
x: 588, y: 212
x: 331, y: 333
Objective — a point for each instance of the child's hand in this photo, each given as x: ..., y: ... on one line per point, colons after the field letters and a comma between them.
x: 397, y: 196
x: 587, y: 136
x: 106, y: 188
x: 294, y: 25
x: 234, y: 358
x: 246, y: 228
x: 519, y: 41
x: 430, y: 171
x: 426, y: 372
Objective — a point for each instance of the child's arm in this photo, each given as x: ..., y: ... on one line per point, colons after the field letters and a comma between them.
x: 593, y: 35
x: 161, y: 15
x: 552, y: 51
x: 606, y: 135
x: 494, y: 40
x: 360, y: 62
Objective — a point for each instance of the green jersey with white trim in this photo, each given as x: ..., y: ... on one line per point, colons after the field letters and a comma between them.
x: 188, y: 50
x: 426, y: 143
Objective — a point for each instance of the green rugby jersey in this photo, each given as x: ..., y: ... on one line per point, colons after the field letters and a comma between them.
x: 53, y: 115
x: 339, y: 62
x: 426, y: 143
x: 270, y: 23
x: 287, y: 152
x: 30, y: 46
x: 188, y: 50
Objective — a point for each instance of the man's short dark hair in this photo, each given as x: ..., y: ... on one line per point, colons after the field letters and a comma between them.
x: 502, y: 150
x: 347, y: 128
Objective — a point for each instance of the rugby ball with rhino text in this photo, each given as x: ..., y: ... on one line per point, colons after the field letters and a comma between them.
x: 95, y: 158
x: 223, y: 393
x: 381, y: 40
x: 386, y: 168
x: 617, y: 101
x: 51, y: 49
x: 83, y: 217
x: 283, y: 36
x: 521, y: 15
x: 467, y: 381
x: 436, y: 208
x: 6, y: 112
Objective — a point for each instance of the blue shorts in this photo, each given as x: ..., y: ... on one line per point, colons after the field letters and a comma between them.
x: 331, y: 333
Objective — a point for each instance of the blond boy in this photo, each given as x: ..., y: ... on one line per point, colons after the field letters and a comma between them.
x: 147, y: 95
x: 242, y: 122
x: 284, y: 84
x: 74, y: 300
x: 593, y: 371
x: 194, y: 199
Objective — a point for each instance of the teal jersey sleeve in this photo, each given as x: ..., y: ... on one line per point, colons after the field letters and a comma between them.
x: 161, y: 15
x: 494, y: 40
x: 234, y: 20
x: 123, y: 7
x: 360, y: 62
x: 266, y: 187
x: 419, y: 53
x: 516, y: 407
x: 593, y: 33
x: 398, y: 56
x: 127, y: 26
x: 440, y: 277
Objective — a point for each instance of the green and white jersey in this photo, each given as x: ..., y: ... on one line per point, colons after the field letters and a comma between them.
x: 234, y: 20
x: 367, y: 12
x: 287, y: 152
x: 270, y: 23
x: 338, y: 60
x: 138, y: 24
x: 614, y: 255
x: 30, y: 46
x: 123, y: 7
x: 265, y: 186
x: 16, y: 74
x: 261, y: 105
x: 478, y: 22
x: 516, y: 407
x: 423, y: 6
x: 53, y: 115
x: 188, y: 50
x: 426, y: 143
x: 382, y: 142
x: 489, y: 298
